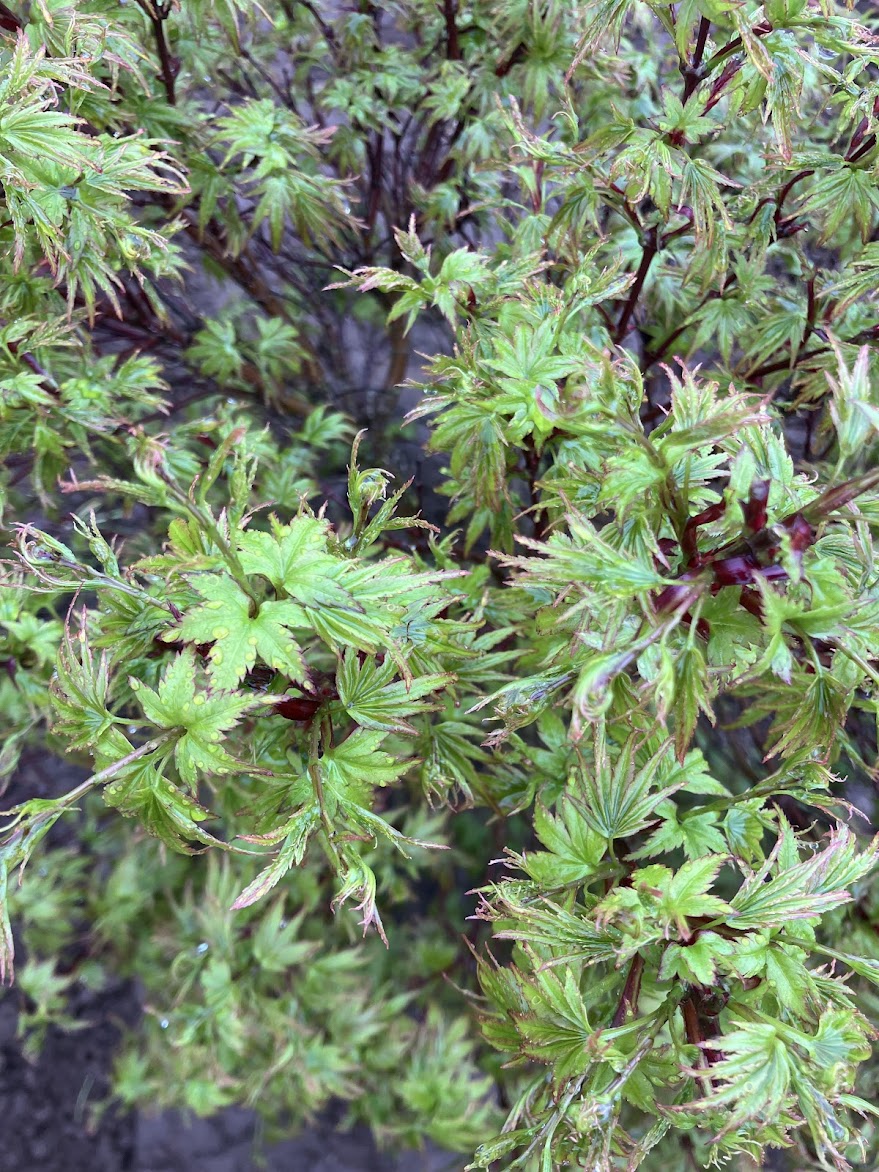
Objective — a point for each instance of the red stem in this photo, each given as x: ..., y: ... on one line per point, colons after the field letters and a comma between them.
x: 650, y: 249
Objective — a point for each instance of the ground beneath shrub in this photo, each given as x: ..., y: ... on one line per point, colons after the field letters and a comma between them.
x: 47, y: 1121
x: 47, y: 1124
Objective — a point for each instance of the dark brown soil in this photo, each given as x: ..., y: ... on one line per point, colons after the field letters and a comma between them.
x: 44, y: 1106
x: 48, y: 1125
x: 47, y: 1121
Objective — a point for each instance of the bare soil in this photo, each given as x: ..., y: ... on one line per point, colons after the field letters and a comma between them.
x: 47, y: 1117
x: 48, y: 1125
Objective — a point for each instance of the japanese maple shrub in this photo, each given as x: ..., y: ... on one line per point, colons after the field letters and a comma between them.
x: 525, y: 806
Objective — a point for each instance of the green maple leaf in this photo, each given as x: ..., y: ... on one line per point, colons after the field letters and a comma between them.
x: 296, y: 833
x: 375, y: 700
x: 695, y: 962
x: 574, y: 848
x: 204, y: 717
x: 224, y: 619
x: 622, y: 799
x: 686, y: 894
x: 294, y: 559
x: 802, y: 888
x: 80, y: 688
x: 163, y: 809
x: 698, y: 833
x: 352, y: 769
x: 343, y: 628
x: 558, y: 1029
x: 754, y: 1076
x: 344, y: 603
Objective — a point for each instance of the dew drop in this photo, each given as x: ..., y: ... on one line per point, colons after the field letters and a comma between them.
x: 220, y: 632
x: 164, y: 1023
x: 202, y: 948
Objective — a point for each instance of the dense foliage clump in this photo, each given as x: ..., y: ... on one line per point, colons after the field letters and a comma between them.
x: 526, y: 804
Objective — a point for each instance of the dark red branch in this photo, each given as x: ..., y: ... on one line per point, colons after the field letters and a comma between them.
x: 650, y: 249
x: 691, y: 1022
x: 734, y: 45
x: 169, y: 65
x: 9, y: 20
x: 785, y: 364
x: 532, y: 467
x: 518, y: 54
x: 693, y: 70
x: 450, y: 14
x: 719, y: 86
x: 864, y: 149
x: 860, y: 146
x: 786, y: 190
x: 628, y: 1003
x: 326, y: 30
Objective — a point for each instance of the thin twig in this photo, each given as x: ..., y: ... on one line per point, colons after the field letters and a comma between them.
x: 157, y: 14
x: 693, y: 70
x: 650, y: 249
x: 628, y: 1002
x: 450, y: 14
